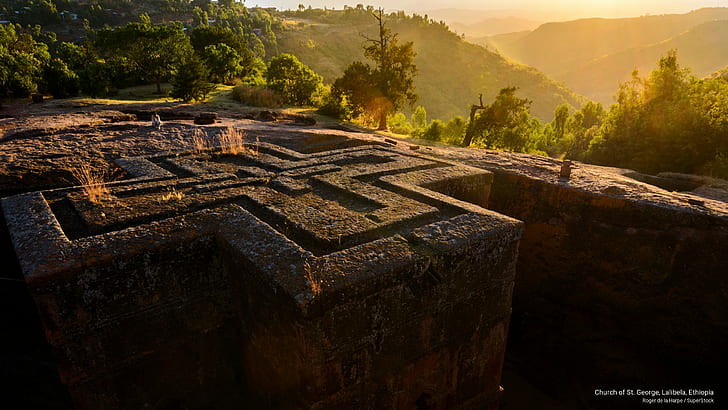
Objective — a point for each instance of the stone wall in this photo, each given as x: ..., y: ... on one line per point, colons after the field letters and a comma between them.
x: 359, y: 276
x: 632, y: 287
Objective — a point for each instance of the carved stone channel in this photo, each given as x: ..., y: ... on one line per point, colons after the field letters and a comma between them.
x: 363, y: 276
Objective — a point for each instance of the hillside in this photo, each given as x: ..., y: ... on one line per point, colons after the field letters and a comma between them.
x: 704, y: 49
x: 494, y: 26
x: 722, y: 73
x: 452, y: 72
x: 593, y: 55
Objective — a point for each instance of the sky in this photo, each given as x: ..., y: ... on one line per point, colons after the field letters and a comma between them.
x: 551, y: 9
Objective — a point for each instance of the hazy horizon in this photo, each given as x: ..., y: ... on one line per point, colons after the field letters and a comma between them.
x: 555, y: 9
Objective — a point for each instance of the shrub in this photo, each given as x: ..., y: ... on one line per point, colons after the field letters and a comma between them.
x: 398, y: 124
x: 335, y: 105
x: 257, y: 96
x: 293, y: 80
x: 434, y: 130
x: 59, y: 80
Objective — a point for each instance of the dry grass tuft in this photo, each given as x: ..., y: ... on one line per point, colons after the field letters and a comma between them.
x: 91, y: 181
x: 200, y: 142
x: 172, y: 194
x: 256, y: 96
x: 232, y: 141
x: 316, y: 284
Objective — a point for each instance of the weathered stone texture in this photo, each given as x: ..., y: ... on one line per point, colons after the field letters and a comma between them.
x: 363, y: 276
x: 641, y: 284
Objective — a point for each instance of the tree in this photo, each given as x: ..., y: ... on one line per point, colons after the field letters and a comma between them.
x: 454, y: 130
x: 357, y: 85
x: 293, y: 80
x: 561, y: 115
x: 21, y: 60
x: 419, y: 118
x: 96, y: 79
x: 434, y: 131
x: 199, y: 17
x: 154, y: 50
x: 42, y: 12
x: 205, y: 36
x: 506, y: 123
x: 390, y: 83
x: 189, y: 82
x: 59, y: 80
x: 669, y: 121
x: 223, y: 62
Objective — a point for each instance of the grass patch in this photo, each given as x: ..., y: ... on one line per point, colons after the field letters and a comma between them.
x: 232, y: 141
x: 92, y: 182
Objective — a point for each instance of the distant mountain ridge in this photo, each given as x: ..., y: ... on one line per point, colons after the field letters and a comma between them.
x: 593, y: 55
x: 496, y: 25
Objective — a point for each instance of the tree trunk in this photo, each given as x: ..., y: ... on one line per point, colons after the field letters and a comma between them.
x: 382, y: 121
x: 470, y: 131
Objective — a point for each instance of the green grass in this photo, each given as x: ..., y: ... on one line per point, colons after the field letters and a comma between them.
x: 218, y: 98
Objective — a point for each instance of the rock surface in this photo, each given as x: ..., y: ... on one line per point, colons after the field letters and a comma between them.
x: 619, y: 279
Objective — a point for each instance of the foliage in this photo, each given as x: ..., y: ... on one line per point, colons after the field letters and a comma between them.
x: 669, y: 121
x: 223, y: 62
x: 454, y: 130
x: 419, y: 118
x: 399, y: 125
x: 220, y: 60
x: 357, y: 85
x: 381, y: 90
x: 335, y: 104
x: 504, y: 124
x: 293, y: 80
x: 21, y: 60
x: 59, y: 80
x: 154, y: 50
x: 43, y: 12
x: 189, y: 82
x: 434, y: 131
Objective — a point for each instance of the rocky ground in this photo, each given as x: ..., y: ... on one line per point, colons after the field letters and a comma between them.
x: 41, y: 143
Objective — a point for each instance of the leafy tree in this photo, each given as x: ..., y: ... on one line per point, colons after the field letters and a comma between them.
x: 335, y: 104
x: 561, y: 115
x: 59, y: 80
x: 153, y: 50
x: 21, y: 60
x: 399, y: 124
x: 199, y: 17
x: 202, y: 37
x: 506, y: 123
x: 390, y: 83
x: 75, y: 57
x: 581, y: 129
x: 419, y: 118
x: 293, y: 80
x: 434, y: 131
x: 189, y: 82
x: 96, y: 79
x: 357, y: 84
x: 454, y: 130
x: 42, y: 12
x: 223, y: 62
x: 669, y: 121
